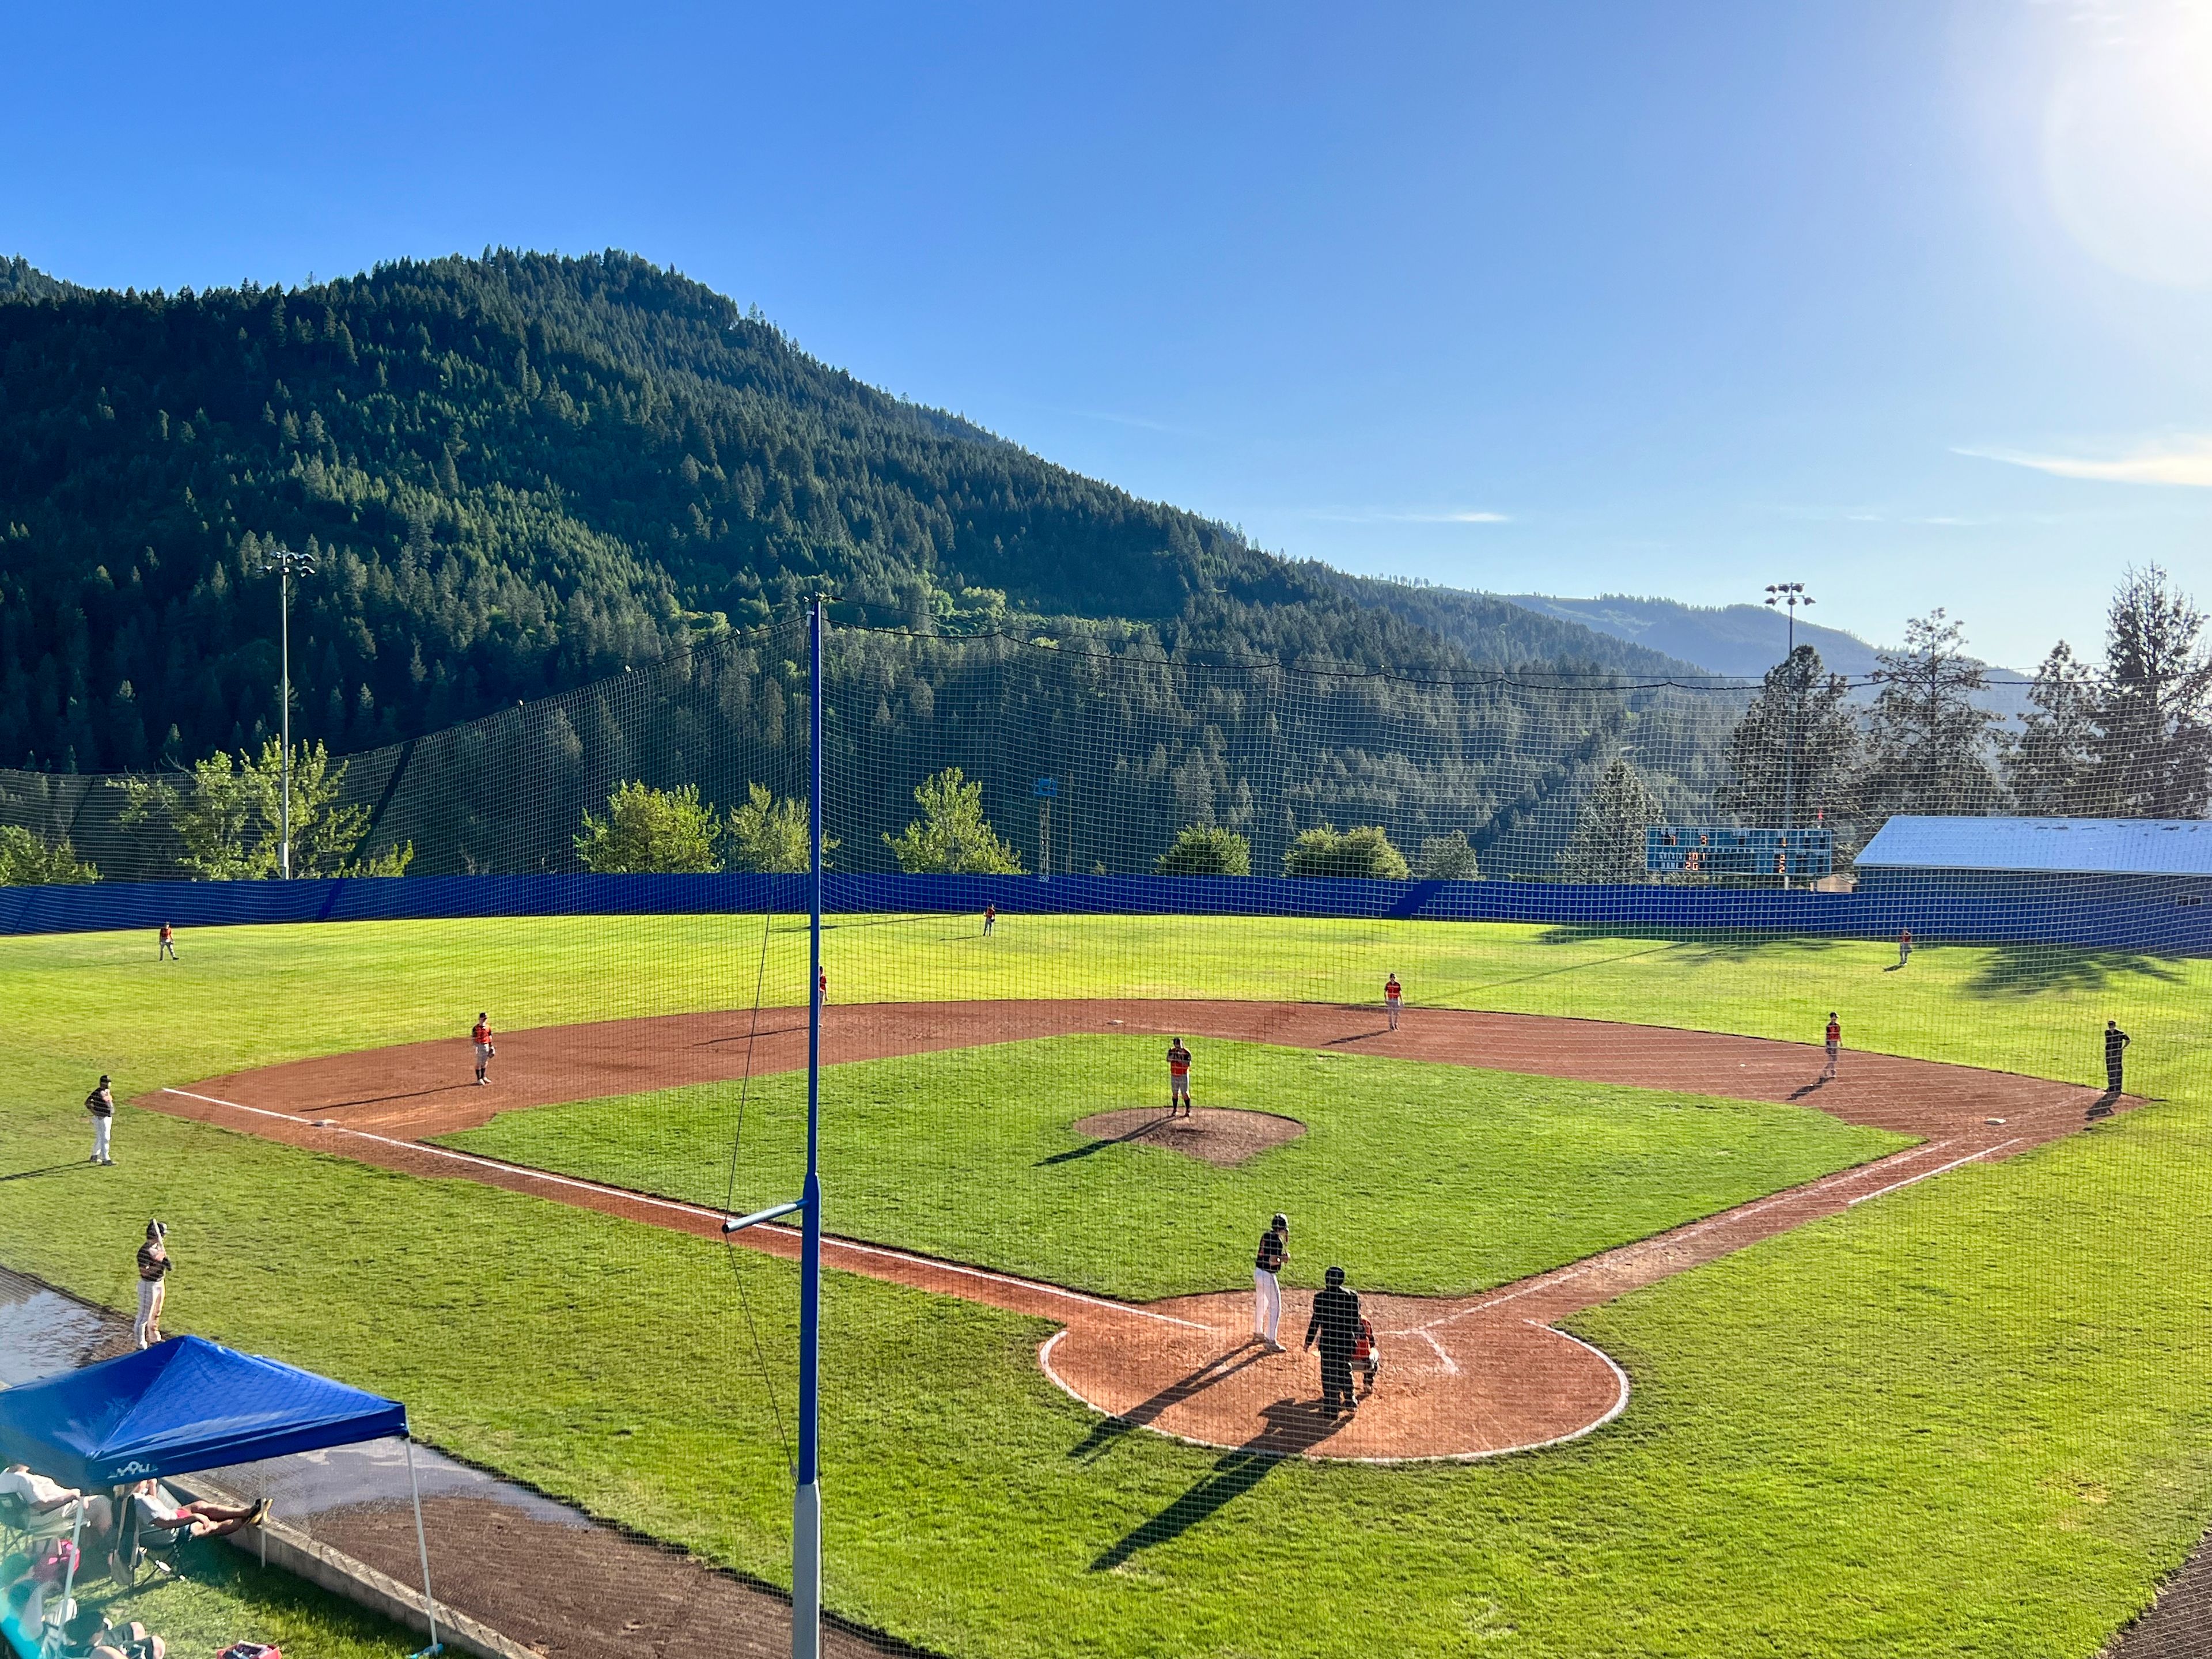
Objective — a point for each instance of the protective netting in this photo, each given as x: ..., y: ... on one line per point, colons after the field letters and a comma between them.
x: 1911, y: 1325
x: 1094, y: 753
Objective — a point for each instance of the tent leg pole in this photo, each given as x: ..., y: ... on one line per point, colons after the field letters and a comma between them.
x: 422, y: 1545
x: 68, y: 1578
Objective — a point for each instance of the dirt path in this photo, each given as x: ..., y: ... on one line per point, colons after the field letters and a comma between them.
x: 1472, y: 1376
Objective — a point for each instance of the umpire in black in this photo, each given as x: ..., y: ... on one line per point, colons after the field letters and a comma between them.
x: 1335, y: 1322
x: 2116, y: 1047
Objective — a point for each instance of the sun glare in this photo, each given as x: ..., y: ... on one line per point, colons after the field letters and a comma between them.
x: 2127, y: 140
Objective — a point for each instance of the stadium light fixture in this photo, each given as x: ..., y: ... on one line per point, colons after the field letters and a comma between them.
x: 285, y: 561
x: 1788, y: 596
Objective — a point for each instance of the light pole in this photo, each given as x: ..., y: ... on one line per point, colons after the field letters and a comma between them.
x: 1787, y: 597
x: 284, y: 561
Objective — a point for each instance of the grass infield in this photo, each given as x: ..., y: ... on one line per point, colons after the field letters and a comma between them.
x: 1417, y: 1177
x: 1968, y: 1418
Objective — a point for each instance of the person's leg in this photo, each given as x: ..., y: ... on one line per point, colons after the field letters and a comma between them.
x: 102, y: 1132
x: 160, y: 1296
x: 145, y: 1320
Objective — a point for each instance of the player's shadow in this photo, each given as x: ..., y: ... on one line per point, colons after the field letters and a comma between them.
x: 410, y: 1093
x: 50, y: 1169
x: 1293, y: 1425
x: 1092, y: 1146
x: 1811, y: 1088
x: 1222, y: 1366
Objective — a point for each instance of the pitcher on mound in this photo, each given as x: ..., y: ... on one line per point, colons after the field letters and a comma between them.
x: 1178, y: 1079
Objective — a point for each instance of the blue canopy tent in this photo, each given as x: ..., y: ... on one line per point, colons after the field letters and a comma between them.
x: 191, y: 1404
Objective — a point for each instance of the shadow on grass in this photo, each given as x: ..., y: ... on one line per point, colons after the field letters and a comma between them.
x: 1293, y: 1425
x: 50, y: 1169
x: 2033, y: 970
x: 1105, y: 1433
x: 1091, y: 1146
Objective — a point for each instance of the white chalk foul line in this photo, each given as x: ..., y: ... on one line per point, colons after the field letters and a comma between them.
x: 523, y: 1171
x: 1628, y: 1253
x: 1986, y: 1151
x: 1451, y: 1365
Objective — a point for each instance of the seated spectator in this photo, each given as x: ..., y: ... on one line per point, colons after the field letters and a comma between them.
x: 90, y: 1636
x: 152, y: 1506
x: 22, y: 1624
x: 50, y: 1506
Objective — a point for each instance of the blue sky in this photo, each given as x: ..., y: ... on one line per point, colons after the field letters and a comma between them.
x: 1910, y: 301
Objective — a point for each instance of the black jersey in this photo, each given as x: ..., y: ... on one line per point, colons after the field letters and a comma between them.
x: 1335, y: 1320
x: 1273, y: 1247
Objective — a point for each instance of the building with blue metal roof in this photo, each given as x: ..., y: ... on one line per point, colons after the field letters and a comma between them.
x: 2157, y: 860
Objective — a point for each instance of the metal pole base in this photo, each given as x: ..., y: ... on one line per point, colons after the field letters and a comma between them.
x: 806, y: 1571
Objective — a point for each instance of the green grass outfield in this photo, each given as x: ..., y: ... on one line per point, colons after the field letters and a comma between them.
x: 249, y: 996
x: 1422, y: 1178
x: 1974, y: 1417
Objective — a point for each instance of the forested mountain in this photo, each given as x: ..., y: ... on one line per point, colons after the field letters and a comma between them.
x: 1723, y: 639
x: 521, y: 473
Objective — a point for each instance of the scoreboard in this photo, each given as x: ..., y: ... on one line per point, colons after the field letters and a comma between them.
x: 1676, y: 849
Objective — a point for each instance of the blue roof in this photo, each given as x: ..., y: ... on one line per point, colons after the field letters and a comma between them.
x: 2107, y: 847
x: 182, y: 1405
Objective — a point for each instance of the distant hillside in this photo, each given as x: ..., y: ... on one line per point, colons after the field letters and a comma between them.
x: 1491, y: 628
x: 1733, y: 639
x: 523, y: 472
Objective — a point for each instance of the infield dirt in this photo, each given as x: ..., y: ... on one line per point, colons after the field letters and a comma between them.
x: 1463, y: 1377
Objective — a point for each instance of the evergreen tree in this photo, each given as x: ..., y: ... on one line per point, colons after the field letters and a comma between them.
x: 1364, y: 852
x: 2150, y: 743
x: 1928, y: 746
x: 1795, y: 751
x: 951, y: 837
x: 1205, y: 850
x: 1608, y: 840
x: 648, y: 832
x: 1448, y: 858
x: 2049, y: 763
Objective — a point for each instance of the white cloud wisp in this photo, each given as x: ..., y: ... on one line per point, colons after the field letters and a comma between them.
x: 2185, y: 461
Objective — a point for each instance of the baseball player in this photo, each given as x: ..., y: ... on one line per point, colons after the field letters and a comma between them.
x: 1835, y: 1041
x: 1267, y: 1293
x: 1904, y: 945
x: 100, y: 1103
x: 168, y: 944
x: 990, y: 918
x: 1178, y: 1078
x: 153, y: 1264
x: 1336, y: 1322
x: 1367, y: 1357
x: 2116, y: 1045
x: 1393, y: 994
x: 481, y: 1037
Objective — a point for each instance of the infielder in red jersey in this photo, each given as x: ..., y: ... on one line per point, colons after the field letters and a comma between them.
x: 1835, y: 1042
x: 481, y: 1037
x: 1393, y: 994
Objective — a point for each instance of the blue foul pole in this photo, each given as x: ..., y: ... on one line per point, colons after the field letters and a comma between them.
x: 806, y: 1499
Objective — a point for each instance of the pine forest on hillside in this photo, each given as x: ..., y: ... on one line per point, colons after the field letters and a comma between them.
x: 566, y: 512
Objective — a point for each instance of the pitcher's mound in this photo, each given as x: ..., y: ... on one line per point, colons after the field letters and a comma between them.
x: 1218, y: 1137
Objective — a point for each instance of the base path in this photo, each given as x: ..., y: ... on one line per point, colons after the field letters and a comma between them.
x: 1470, y: 1377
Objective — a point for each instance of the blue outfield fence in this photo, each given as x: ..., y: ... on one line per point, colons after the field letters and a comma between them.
x: 1961, y: 912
